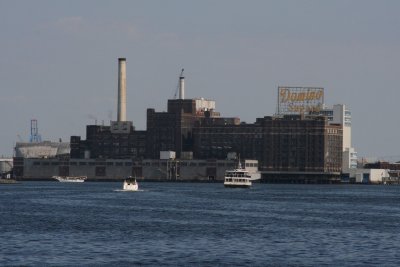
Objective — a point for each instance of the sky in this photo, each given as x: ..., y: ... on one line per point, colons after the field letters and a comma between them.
x: 59, y: 61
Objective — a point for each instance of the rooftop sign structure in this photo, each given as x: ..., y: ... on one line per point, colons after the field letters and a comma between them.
x: 299, y: 100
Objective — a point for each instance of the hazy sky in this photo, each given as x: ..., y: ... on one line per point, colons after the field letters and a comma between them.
x: 58, y: 61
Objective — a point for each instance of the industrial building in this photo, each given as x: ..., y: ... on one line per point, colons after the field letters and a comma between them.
x: 286, y: 147
x: 6, y: 166
x: 173, y: 130
x: 27, y: 152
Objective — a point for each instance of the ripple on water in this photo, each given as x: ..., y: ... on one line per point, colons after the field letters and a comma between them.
x: 199, y: 224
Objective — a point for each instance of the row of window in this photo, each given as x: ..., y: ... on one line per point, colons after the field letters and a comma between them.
x: 200, y: 164
x: 83, y: 163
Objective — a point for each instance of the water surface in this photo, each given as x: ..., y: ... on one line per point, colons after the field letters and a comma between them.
x: 58, y: 224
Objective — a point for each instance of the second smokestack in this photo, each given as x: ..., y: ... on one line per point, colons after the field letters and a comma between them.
x: 121, y: 89
x: 182, y: 86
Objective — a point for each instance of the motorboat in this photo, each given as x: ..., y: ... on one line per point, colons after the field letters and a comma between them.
x: 130, y: 184
x: 70, y: 179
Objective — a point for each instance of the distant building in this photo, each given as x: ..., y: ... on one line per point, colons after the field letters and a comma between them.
x: 6, y: 165
x: 288, y: 148
x: 340, y: 114
x: 350, y: 160
x: 302, y: 143
x: 371, y: 176
x: 383, y: 165
x: 45, y: 150
x: 109, y: 142
x: 174, y: 129
x: 216, y: 138
x: 118, y: 169
x: 301, y: 149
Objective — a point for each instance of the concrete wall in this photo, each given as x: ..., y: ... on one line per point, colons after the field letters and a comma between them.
x: 40, y: 168
x: 201, y: 170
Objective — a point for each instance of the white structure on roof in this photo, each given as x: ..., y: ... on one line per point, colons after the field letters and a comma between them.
x: 204, y: 104
x: 45, y: 149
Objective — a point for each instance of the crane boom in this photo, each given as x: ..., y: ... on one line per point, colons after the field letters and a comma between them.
x: 177, y: 87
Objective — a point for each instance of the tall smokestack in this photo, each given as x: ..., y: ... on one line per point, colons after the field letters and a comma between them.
x: 121, y: 89
x: 182, y: 86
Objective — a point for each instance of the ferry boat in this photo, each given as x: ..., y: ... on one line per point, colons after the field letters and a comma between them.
x: 130, y: 184
x: 70, y: 179
x: 238, y: 178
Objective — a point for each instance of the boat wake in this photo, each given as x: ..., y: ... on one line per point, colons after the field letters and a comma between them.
x: 122, y: 190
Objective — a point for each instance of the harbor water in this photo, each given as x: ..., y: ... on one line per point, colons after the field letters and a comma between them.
x: 198, y: 224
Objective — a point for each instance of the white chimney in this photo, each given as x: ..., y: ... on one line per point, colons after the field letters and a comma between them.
x: 121, y: 89
x: 182, y: 86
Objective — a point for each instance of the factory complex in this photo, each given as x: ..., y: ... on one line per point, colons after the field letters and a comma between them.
x: 304, y: 142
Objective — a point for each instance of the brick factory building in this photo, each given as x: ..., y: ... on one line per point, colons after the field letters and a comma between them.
x: 288, y: 147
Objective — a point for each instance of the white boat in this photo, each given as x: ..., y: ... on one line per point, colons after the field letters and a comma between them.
x: 7, y: 181
x: 70, y: 179
x: 130, y: 184
x: 238, y: 178
x: 5, y: 178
